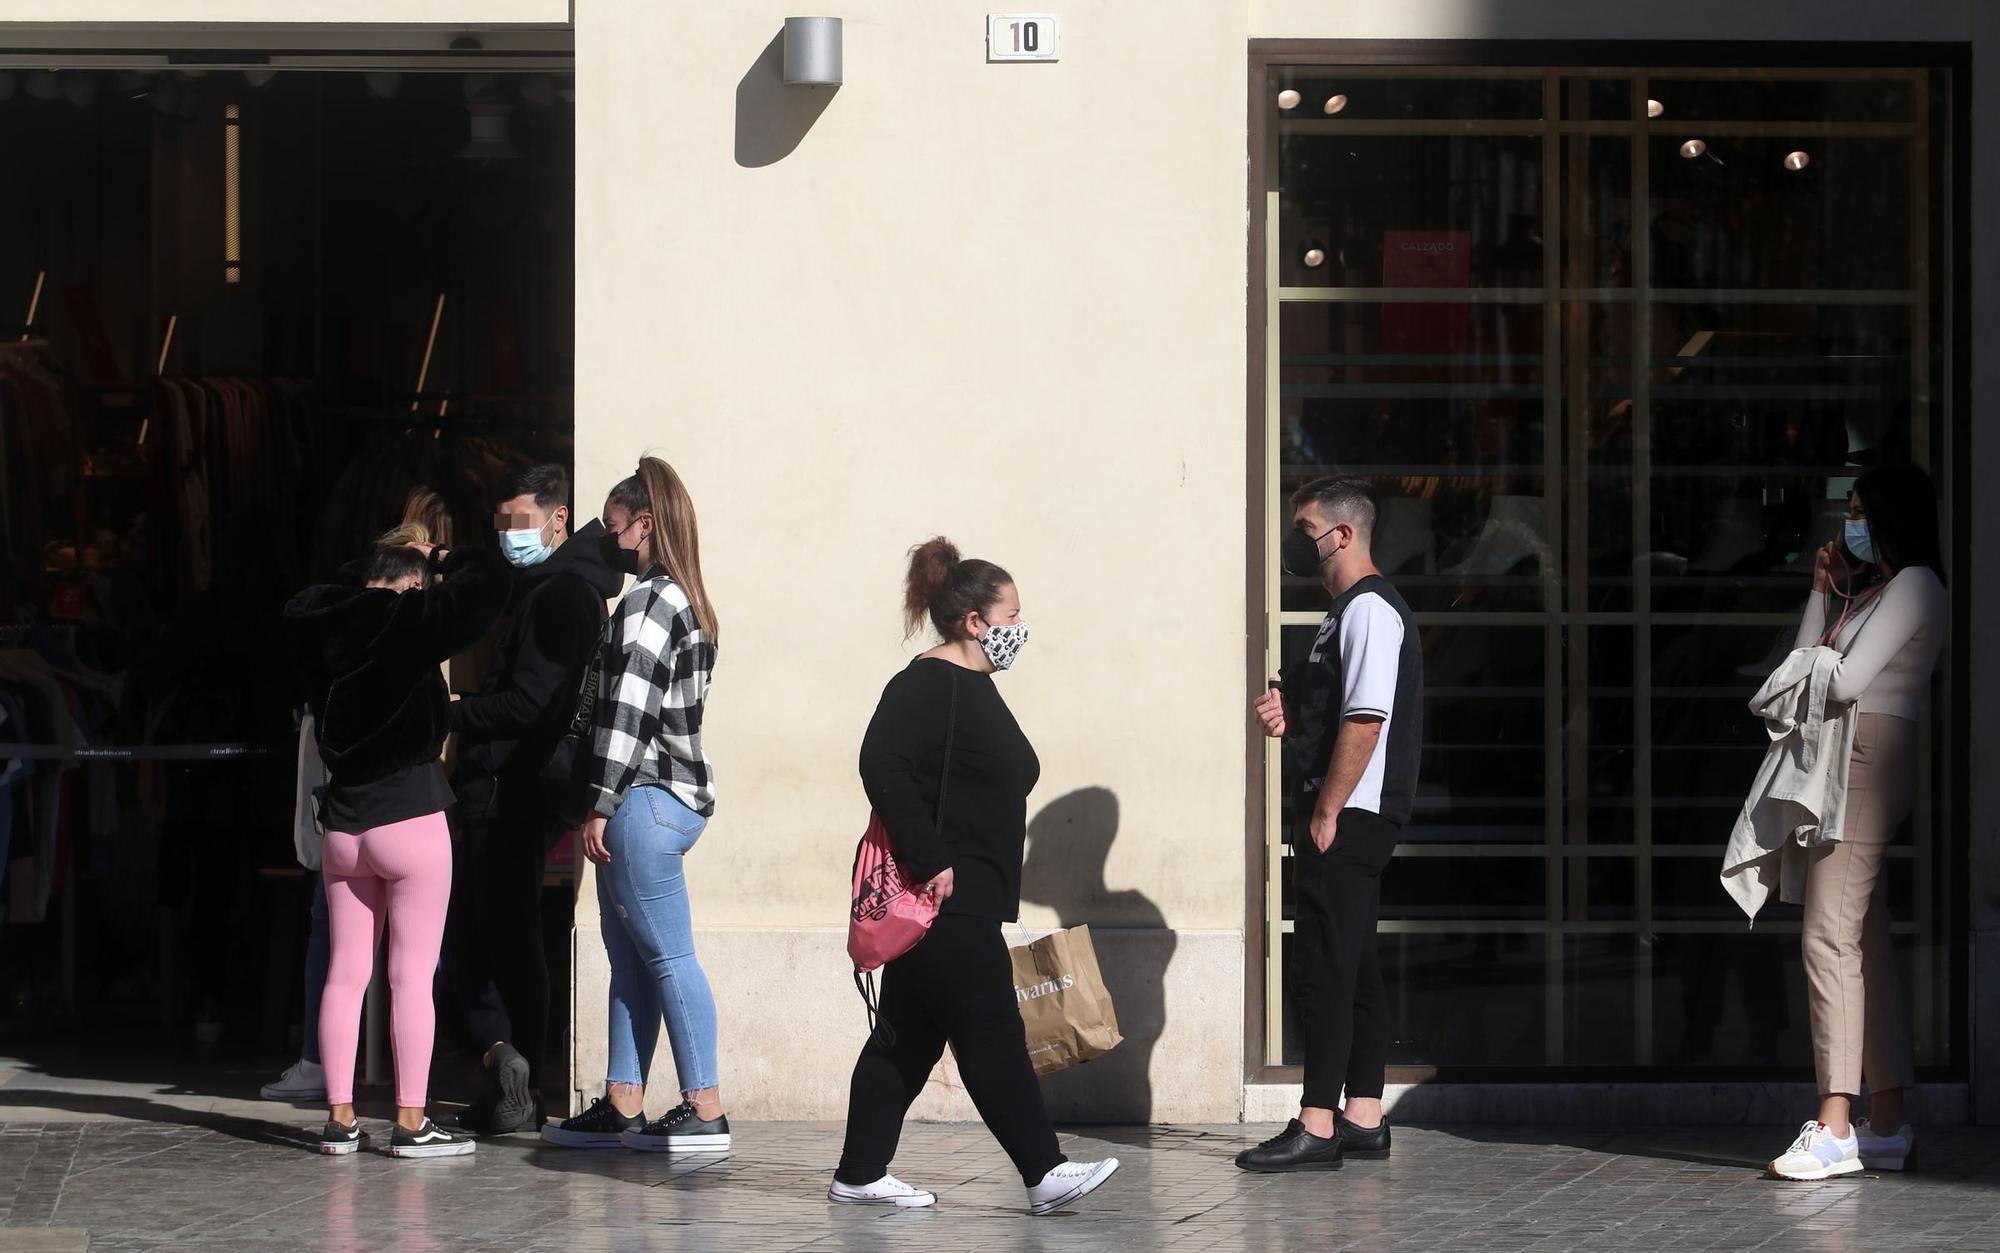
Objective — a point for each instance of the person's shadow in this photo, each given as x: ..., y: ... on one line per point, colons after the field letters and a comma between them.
x: 1068, y: 844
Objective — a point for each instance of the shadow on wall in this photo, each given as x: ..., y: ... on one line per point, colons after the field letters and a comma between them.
x: 1068, y: 845
x: 771, y: 118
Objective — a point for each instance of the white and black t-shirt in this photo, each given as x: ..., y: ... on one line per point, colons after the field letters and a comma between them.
x: 1367, y: 661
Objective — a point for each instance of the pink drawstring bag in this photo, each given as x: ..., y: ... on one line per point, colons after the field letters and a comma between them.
x: 888, y: 915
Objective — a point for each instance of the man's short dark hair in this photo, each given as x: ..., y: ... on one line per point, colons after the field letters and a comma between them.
x: 547, y: 483
x: 1342, y: 498
x: 392, y: 563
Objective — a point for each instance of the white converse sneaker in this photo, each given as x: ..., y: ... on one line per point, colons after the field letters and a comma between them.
x: 888, y: 1190
x: 1071, y: 1181
x: 304, y: 1082
x: 1817, y: 1155
x: 1878, y: 1152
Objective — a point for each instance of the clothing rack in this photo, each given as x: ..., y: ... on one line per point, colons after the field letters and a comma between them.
x: 133, y: 752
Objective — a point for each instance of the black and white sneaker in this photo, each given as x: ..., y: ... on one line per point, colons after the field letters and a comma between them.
x: 429, y: 1140
x: 680, y: 1130
x: 598, y: 1127
x: 338, y: 1141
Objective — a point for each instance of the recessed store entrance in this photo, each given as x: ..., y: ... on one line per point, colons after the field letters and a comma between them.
x: 250, y: 299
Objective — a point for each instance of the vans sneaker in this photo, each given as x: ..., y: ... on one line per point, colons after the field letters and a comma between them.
x: 1068, y: 1183
x: 429, y: 1140
x: 598, y: 1127
x: 680, y: 1130
x: 336, y: 1140
x: 305, y: 1082
x: 1817, y: 1155
x: 1878, y: 1152
x: 888, y: 1190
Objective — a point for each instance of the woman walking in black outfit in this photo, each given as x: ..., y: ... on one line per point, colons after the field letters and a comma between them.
x: 957, y: 985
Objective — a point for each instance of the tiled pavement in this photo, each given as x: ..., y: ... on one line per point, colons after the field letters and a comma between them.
x: 222, y: 1183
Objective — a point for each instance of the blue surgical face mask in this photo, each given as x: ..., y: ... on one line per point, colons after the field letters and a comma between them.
x: 1860, y: 541
x: 526, y: 547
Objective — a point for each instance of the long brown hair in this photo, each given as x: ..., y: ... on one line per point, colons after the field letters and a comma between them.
x: 675, y: 545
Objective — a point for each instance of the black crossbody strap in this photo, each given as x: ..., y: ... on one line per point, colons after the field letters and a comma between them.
x: 950, y: 732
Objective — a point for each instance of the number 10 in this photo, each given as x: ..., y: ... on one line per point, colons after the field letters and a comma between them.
x: 1027, y: 36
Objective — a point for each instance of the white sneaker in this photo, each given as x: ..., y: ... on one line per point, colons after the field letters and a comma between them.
x: 888, y: 1190
x: 305, y: 1081
x: 1817, y: 1155
x: 1896, y: 1152
x: 1071, y: 1181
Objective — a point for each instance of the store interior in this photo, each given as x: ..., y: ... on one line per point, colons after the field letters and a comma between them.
x: 243, y: 314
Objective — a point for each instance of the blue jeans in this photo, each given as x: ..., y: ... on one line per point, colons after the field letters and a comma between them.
x: 649, y: 936
x: 319, y: 953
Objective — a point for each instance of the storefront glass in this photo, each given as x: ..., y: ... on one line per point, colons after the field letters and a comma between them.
x: 1612, y: 346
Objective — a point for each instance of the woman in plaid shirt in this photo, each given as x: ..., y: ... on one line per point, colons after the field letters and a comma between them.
x: 652, y: 797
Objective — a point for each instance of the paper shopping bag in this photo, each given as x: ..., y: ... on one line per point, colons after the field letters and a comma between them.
x: 1064, y: 1003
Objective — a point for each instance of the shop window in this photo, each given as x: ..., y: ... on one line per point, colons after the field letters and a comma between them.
x: 1613, y: 346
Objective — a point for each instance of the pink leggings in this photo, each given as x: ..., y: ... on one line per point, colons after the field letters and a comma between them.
x: 399, y: 874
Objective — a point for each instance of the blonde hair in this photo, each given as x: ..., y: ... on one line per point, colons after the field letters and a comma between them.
x: 675, y: 545
x: 426, y: 516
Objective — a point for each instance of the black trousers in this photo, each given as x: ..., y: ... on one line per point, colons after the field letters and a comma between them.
x: 494, y: 955
x: 957, y: 985
x: 1336, y: 975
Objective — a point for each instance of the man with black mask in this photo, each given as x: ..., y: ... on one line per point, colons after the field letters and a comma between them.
x: 506, y: 735
x: 1351, y: 716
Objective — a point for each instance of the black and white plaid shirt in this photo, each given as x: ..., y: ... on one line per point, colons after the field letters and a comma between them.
x: 652, y: 682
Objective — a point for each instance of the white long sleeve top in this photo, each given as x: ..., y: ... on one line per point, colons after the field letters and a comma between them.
x: 1889, y: 647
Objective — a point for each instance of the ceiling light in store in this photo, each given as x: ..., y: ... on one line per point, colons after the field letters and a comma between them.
x: 260, y: 78
x: 1334, y: 104
x: 539, y: 90
x: 42, y: 85
x: 384, y: 83
x: 1796, y: 161
x: 1313, y: 255
x: 1288, y: 99
x: 1694, y: 148
x: 489, y: 140
x: 1655, y: 109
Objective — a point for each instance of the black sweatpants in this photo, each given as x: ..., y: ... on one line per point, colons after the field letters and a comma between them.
x: 956, y: 985
x: 1336, y: 975
x: 498, y: 966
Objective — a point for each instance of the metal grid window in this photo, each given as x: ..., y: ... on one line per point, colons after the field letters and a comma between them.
x: 1612, y: 345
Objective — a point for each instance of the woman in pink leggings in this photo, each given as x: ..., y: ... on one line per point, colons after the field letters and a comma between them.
x: 373, y: 653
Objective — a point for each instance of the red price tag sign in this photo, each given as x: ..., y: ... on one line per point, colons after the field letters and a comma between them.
x: 71, y: 602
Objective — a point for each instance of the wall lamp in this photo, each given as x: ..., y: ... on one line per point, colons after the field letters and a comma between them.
x: 812, y: 52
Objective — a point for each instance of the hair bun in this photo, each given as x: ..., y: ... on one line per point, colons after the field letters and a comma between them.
x: 931, y: 566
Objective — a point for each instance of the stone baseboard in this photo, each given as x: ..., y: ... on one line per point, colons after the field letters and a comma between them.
x: 791, y: 1025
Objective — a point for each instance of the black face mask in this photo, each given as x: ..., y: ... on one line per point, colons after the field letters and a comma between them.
x: 624, y: 560
x: 1299, y: 553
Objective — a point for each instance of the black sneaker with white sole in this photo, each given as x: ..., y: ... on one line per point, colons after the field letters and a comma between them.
x: 338, y: 1141
x: 598, y: 1127
x: 680, y: 1130
x: 429, y: 1140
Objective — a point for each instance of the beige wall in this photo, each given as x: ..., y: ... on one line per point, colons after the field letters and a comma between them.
x: 274, y: 12
x: 1004, y: 303
x: 1789, y: 20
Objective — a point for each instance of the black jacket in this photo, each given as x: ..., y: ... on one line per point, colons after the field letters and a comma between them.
x: 374, y: 655
x: 507, y: 731
x: 992, y: 770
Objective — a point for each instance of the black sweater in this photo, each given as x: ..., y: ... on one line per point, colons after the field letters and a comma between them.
x: 508, y: 730
x: 993, y: 768
x: 375, y: 655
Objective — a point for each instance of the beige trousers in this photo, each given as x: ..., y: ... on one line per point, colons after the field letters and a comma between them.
x: 1860, y: 1025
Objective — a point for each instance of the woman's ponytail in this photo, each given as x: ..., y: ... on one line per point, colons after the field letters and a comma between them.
x: 655, y: 489
x: 944, y: 588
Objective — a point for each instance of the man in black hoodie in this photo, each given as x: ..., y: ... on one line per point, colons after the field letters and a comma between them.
x: 506, y: 734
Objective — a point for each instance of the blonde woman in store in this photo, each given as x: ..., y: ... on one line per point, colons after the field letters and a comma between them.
x: 1879, y: 599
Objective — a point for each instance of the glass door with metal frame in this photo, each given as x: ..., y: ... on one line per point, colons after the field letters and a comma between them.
x: 1612, y: 345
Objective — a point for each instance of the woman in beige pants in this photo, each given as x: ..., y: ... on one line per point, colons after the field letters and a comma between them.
x: 1879, y: 599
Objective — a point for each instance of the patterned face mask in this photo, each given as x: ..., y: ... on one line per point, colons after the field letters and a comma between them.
x: 1002, y: 644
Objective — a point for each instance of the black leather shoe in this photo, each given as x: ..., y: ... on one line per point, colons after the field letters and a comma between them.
x: 1371, y: 1143
x: 1294, y: 1148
